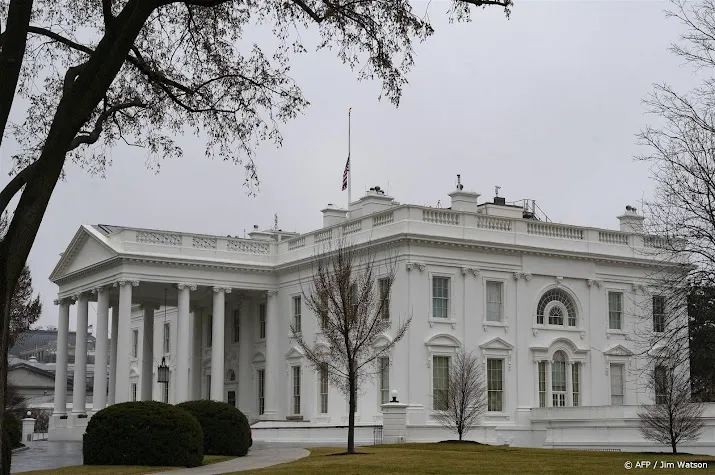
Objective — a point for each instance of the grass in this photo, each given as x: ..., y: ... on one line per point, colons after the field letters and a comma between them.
x: 455, y: 458
x: 121, y: 469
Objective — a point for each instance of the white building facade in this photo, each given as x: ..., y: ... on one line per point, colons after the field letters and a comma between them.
x: 549, y: 308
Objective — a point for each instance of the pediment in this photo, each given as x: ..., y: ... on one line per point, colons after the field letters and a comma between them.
x: 382, y: 340
x: 321, y: 348
x: 85, y: 250
x: 618, y: 350
x: 294, y: 353
x: 443, y: 339
x: 497, y: 344
x: 258, y: 358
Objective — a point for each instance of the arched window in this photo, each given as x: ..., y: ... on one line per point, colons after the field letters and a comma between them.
x: 558, y: 306
x: 558, y: 379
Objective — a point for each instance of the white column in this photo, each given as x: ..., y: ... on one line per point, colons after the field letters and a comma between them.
x: 247, y: 387
x: 183, y: 348
x: 197, y: 354
x: 549, y: 397
x: 218, y: 344
x: 124, y: 340
x: 113, y: 355
x: 99, y: 393
x: 147, y: 352
x: 63, y: 324
x: 569, y: 385
x: 79, y: 384
x: 272, y: 357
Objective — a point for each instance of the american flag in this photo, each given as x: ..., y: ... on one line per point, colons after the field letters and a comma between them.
x: 345, y: 174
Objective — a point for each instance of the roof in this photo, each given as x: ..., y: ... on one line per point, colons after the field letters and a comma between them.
x: 107, y: 229
x: 40, y: 338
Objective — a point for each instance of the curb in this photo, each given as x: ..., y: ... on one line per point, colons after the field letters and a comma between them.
x: 20, y: 449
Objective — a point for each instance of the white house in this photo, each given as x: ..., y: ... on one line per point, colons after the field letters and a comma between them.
x: 549, y: 308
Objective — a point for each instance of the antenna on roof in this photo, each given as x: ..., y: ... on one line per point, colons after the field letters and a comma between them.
x: 275, y: 222
x: 496, y: 190
x: 460, y: 187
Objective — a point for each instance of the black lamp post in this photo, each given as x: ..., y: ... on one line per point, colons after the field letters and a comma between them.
x: 163, y: 372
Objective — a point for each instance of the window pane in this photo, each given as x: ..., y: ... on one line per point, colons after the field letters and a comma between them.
x: 542, y: 383
x: 615, y: 310
x: 440, y: 379
x: 324, y: 389
x: 296, y: 389
x: 495, y: 387
x: 575, y: 383
x: 616, y: 384
x: 658, y: 313
x: 440, y: 297
x: 558, y: 376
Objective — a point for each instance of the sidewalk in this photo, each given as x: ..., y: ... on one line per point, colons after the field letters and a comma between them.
x: 256, y: 458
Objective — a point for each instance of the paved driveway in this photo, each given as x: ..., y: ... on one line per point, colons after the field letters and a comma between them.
x: 44, y: 455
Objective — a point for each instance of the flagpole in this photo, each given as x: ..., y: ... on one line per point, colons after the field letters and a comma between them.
x: 350, y: 169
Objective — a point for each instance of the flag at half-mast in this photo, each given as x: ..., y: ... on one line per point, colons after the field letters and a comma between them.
x: 346, y: 172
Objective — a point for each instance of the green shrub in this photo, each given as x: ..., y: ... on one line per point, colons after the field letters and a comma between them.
x: 143, y: 433
x: 13, y: 429
x: 226, y: 430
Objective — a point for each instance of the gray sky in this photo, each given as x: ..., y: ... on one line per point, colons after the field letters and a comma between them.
x: 545, y: 104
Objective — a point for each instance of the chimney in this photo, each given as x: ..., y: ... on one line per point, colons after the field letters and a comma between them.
x: 375, y: 200
x: 463, y: 200
x: 631, y: 221
x: 333, y: 215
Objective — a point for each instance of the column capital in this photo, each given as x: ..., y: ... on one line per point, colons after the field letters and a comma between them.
x: 65, y: 301
x: 271, y: 293
x: 150, y: 305
x: 183, y: 286
x: 79, y: 295
x: 98, y: 289
x: 133, y: 283
x: 226, y: 290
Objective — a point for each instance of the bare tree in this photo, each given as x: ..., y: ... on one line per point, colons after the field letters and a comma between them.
x: 674, y: 417
x: 350, y: 305
x: 460, y: 406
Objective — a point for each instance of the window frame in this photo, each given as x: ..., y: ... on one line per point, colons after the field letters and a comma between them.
x: 165, y: 392
x: 323, y: 396
x: 499, y: 391
x: 447, y: 299
x: 620, y: 312
x: 228, y: 397
x: 236, y: 325
x: 384, y: 297
x: 541, y: 368
x: 659, y: 319
x: 133, y: 394
x: 261, y: 321
x: 297, y: 312
x: 660, y: 397
x: 432, y: 378
x: 261, y: 391
x: 296, y: 385
x: 576, y: 389
x: 167, y: 338
x: 383, y: 393
x: 565, y: 317
x: 135, y: 343
x: 622, y: 367
x: 503, y: 284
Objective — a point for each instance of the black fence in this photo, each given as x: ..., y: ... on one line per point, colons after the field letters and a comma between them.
x: 376, y: 435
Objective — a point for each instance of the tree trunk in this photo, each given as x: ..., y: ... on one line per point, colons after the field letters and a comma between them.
x: 459, y: 432
x: 351, y: 417
x: 674, y: 444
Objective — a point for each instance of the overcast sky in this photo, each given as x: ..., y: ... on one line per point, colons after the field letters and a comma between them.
x: 545, y: 105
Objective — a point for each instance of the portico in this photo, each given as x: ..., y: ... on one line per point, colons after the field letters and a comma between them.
x: 212, y: 320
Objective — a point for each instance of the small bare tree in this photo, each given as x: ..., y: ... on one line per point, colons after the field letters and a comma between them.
x: 674, y: 417
x: 350, y: 306
x: 464, y: 401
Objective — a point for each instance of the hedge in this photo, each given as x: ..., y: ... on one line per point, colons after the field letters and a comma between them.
x: 226, y: 430
x: 13, y: 429
x: 143, y: 433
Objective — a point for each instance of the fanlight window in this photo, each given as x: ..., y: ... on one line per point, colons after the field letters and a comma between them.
x: 558, y: 306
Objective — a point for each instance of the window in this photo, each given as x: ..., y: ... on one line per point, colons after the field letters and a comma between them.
x: 575, y: 383
x: 134, y: 391
x: 558, y: 306
x: 661, y: 384
x: 296, y: 389
x: 210, y: 331
x: 324, y: 388
x: 616, y: 384
x: 236, y: 326
x: 384, y: 285
x: 558, y: 379
x: 208, y: 386
x: 232, y: 398
x: 165, y: 393
x: 262, y: 320
x: 167, y: 338
x: 542, y: 383
x: 495, y: 385
x: 658, y: 313
x: 440, y: 297
x: 384, y: 380
x: 296, y: 314
x: 135, y: 343
x: 495, y: 306
x: 440, y: 382
x: 615, y: 310
x: 261, y: 392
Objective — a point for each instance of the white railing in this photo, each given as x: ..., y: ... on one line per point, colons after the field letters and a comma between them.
x: 296, y: 243
x: 204, y: 242
x: 248, y: 246
x: 555, y: 231
x: 383, y: 219
x: 351, y: 228
x: 323, y: 236
x: 491, y: 222
x: 440, y: 217
x: 156, y: 237
x: 611, y: 237
x: 655, y: 241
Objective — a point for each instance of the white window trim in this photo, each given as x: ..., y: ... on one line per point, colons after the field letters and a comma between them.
x: 536, y: 327
x: 291, y: 408
x: 292, y: 313
x: 163, y: 338
x: 389, y: 298
x: 505, y: 361
x: 135, y: 356
x: 505, y: 319
x: 258, y: 336
x: 379, y: 381
x: 498, y: 349
x: 293, y: 358
x: 613, y: 331
x: 450, y: 320
x: 321, y: 417
x: 439, y: 345
x: 618, y: 354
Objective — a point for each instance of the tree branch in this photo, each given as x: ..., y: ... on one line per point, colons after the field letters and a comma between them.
x: 107, y: 14
x: 15, y: 185
x: 93, y: 136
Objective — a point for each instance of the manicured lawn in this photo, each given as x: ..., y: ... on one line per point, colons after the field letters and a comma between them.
x: 449, y: 459
x: 120, y: 469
